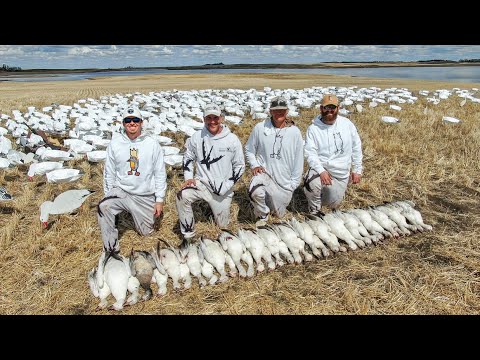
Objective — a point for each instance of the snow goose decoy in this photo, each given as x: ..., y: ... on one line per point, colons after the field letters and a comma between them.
x: 390, y: 120
x: 450, y: 120
x: 65, y: 203
x: 63, y: 175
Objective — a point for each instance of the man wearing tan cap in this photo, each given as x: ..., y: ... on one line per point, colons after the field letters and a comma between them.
x: 217, y: 155
x: 274, y: 151
x: 333, y: 151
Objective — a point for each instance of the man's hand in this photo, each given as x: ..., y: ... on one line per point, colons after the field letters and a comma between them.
x: 258, y: 170
x: 325, y: 178
x: 355, y: 178
x: 189, y: 183
x: 158, y: 209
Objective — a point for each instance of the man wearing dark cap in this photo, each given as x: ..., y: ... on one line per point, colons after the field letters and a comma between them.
x: 333, y: 151
x: 134, y: 180
x: 218, y: 157
x: 274, y: 151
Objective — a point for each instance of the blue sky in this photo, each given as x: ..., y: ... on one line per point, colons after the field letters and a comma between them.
x: 118, y: 56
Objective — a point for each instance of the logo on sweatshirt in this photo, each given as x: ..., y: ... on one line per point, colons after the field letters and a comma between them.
x: 133, y: 162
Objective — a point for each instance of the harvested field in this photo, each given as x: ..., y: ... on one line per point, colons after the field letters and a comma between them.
x: 421, y: 159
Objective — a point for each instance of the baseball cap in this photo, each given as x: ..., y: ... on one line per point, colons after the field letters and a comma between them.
x: 132, y: 112
x: 278, y: 103
x: 329, y: 99
x: 211, y: 109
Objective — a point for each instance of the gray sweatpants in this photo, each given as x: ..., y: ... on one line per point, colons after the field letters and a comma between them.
x: 267, y: 196
x: 220, y: 206
x: 316, y: 193
x: 141, y: 207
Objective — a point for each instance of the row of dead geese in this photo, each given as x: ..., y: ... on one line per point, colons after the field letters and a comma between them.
x: 292, y: 241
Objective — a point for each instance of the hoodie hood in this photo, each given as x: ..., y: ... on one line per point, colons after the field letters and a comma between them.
x: 318, y: 121
x: 225, y: 131
x: 140, y: 137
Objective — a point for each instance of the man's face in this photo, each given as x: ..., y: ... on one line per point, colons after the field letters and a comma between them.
x: 329, y: 113
x: 213, y: 123
x: 132, y: 125
x: 279, y: 115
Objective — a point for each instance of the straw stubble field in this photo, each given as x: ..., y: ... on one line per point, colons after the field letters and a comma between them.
x: 421, y: 159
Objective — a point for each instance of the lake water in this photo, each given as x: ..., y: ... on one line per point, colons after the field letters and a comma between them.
x: 467, y: 74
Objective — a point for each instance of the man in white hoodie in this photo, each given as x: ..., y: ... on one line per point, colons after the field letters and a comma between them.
x: 134, y: 180
x: 217, y: 154
x: 274, y: 151
x: 332, y: 146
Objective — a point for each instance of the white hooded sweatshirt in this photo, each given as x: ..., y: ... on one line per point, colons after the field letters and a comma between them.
x: 279, y: 151
x: 219, y: 159
x: 136, y: 166
x: 333, y: 147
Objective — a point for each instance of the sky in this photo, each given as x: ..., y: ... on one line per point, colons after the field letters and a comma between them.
x: 119, y: 56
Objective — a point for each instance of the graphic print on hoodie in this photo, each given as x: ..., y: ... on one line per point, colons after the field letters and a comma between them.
x: 219, y: 159
x: 134, y: 162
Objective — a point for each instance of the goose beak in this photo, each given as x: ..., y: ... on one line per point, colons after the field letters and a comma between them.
x: 45, y: 224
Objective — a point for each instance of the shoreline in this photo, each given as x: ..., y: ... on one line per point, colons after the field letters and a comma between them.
x: 346, y: 65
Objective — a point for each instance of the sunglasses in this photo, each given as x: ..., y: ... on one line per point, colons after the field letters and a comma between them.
x: 330, y: 107
x: 129, y: 120
x: 278, y: 103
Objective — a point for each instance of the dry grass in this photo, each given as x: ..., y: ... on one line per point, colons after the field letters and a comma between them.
x: 436, y: 165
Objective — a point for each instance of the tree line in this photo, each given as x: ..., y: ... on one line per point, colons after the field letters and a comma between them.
x: 5, y: 67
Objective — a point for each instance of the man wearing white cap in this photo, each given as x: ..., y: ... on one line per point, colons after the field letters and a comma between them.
x: 217, y: 154
x: 274, y: 151
x: 134, y: 180
x: 333, y: 151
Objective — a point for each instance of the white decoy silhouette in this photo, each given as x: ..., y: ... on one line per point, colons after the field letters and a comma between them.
x: 65, y: 203
x: 390, y: 120
x: 450, y: 120
x: 63, y: 175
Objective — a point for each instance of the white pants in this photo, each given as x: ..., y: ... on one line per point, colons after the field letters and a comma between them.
x: 316, y: 193
x: 267, y: 196
x: 141, y: 207
x: 220, y: 206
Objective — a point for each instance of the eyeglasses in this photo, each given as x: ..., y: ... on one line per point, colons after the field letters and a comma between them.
x: 129, y: 120
x: 276, y: 103
x: 329, y: 107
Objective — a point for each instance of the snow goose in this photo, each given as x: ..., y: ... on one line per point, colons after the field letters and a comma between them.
x: 114, y: 278
x: 371, y: 225
x: 276, y: 246
x: 306, y: 233
x: 384, y: 221
x: 352, y: 225
x: 323, y: 231
x: 214, y: 254
x: 254, y: 246
x: 294, y: 244
x: 235, y: 249
x: 193, y: 261
x: 394, y: 214
x: 337, y: 226
x: 167, y: 261
x: 412, y: 214
x: 65, y: 203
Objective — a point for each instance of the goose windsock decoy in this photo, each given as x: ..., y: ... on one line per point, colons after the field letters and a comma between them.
x: 65, y: 203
